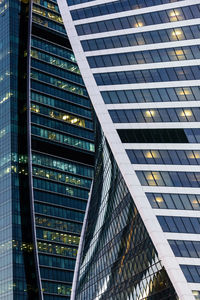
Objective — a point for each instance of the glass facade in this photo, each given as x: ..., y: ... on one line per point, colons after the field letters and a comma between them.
x: 145, y: 57
x: 62, y: 149
x: 140, y: 63
x: 115, y: 7
x: 140, y: 20
x: 18, y: 268
x: 118, y: 260
x: 143, y: 38
x: 46, y: 152
x: 173, y: 94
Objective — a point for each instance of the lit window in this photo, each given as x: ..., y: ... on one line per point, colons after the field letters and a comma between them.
x: 186, y: 113
x: 150, y: 113
x: 174, y: 13
x: 159, y: 199
x: 177, y: 32
x: 139, y: 24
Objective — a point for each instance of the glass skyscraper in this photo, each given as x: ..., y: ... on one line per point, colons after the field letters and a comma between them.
x: 46, y: 152
x: 140, y: 60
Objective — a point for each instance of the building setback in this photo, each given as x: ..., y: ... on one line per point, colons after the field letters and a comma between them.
x: 46, y: 152
x: 140, y: 61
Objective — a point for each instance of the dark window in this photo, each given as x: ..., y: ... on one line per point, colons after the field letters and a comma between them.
x: 153, y: 136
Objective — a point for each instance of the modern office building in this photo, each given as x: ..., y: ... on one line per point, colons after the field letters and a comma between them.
x: 46, y: 152
x: 140, y: 60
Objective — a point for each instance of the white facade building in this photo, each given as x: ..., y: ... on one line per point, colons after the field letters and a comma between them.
x: 140, y: 61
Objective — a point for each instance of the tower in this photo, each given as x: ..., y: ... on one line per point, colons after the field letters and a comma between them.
x: 46, y: 152
x: 140, y: 64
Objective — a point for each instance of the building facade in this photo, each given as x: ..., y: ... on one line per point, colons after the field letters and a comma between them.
x: 47, y: 152
x: 140, y: 61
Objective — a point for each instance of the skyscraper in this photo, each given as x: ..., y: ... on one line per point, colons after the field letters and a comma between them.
x: 47, y: 149
x: 140, y: 63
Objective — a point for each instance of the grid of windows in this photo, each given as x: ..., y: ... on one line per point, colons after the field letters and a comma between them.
x: 115, y: 7
x: 61, y: 116
x: 5, y: 180
x: 59, y: 275
x: 74, y: 2
x: 187, y: 114
x: 61, y: 250
x: 145, y: 57
x: 58, y: 83
x: 143, y: 38
x: 163, y: 178
x: 18, y: 278
x: 159, y: 135
x: 152, y: 95
x: 58, y: 224
x: 62, y: 125
x: 60, y: 212
x: 48, y: 23
x: 166, y: 157
x: 60, y: 72
x: 54, y: 60
x: 60, y: 104
x: 61, y: 177
x: 53, y: 236
x: 53, y: 48
x: 61, y: 93
x: 152, y: 18
x: 116, y: 239
x: 47, y: 4
x: 61, y: 164
x: 46, y: 13
x: 59, y: 262
x: 56, y: 288
x: 192, y: 273
x: 185, y: 248
x: 147, y: 79
x: 179, y: 224
x: 60, y: 188
x: 57, y: 199
x: 61, y: 138
x: 148, y: 75
x: 61, y: 181
x: 174, y: 201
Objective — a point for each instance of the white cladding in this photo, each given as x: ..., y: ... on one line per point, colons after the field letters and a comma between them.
x: 159, y: 238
